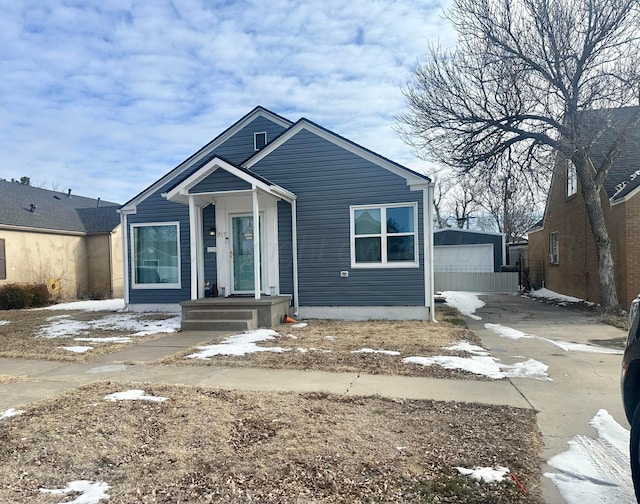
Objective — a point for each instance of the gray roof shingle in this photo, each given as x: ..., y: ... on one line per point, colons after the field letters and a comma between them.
x: 624, y: 175
x: 54, y: 210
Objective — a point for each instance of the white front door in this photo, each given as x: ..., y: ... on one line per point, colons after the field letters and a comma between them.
x: 241, y: 254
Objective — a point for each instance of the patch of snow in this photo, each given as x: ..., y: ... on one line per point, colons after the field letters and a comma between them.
x: 514, y: 334
x: 465, y: 302
x: 112, y: 339
x: 77, y: 349
x: 100, y: 305
x: 91, y: 492
x: 371, y: 350
x: 595, y: 470
x: 133, y: 395
x: 300, y: 325
x: 486, y: 474
x: 548, y: 294
x: 9, y: 413
x: 331, y: 338
x: 4, y: 322
x: 239, y: 344
x: 465, y: 346
x: 61, y: 327
x: 485, y: 365
x: 302, y: 350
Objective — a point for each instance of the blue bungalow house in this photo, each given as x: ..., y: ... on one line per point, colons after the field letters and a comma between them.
x: 342, y: 232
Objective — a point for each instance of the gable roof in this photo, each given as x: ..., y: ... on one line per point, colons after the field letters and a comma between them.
x: 624, y: 175
x: 206, y: 153
x: 412, y: 177
x: 54, y: 211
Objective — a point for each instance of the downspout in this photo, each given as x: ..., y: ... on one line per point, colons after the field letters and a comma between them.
x: 256, y: 243
x: 125, y: 258
x: 193, y: 250
x: 294, y: 252
x: 428, y: 233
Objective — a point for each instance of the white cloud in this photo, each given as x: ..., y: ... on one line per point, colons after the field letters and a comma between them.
x: 113, y: 95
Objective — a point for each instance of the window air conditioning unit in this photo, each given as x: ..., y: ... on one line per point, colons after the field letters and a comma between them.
x: 553, y: 258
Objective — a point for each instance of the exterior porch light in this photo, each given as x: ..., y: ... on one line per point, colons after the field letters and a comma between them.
x: 212, y: 231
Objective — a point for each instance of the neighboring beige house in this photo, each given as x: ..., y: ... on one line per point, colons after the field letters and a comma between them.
x: 71, y: 243
x: 562, y: 251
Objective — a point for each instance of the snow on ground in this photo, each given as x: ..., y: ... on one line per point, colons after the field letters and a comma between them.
x: 486, y: 474
x: 481, y: 363
x: 91, y: 492
x: 465, y: 302
x: 101, y: 305
x: 238, y: 344
x: 77, y: 349
x: 595, y: 470
x: 63, y: 326
x: 4, y: 322
x: 9, y: 413
x: 133, y: 395
x: 548, y: 294
x: 567, y: 346
x: 371, y: 350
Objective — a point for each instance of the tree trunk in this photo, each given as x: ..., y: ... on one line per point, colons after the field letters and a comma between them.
x: 606, y: 276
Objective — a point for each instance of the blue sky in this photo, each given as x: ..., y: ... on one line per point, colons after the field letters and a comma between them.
x: 105, y: 97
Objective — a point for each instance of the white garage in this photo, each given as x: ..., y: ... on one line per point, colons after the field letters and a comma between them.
x: 463, y: 258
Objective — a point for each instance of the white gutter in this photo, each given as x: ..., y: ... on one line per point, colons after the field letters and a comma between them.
x: 427, y: 210
x: 256, y: 243
x: 125, y: 257
x: 294, y: 251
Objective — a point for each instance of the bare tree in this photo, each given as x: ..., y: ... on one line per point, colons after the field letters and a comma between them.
x: 517, y: 86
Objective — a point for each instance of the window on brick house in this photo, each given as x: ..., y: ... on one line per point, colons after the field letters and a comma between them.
x: 572, y: 179
x: 553, y: 248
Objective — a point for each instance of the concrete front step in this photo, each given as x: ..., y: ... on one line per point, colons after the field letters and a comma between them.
x: 220, y: 314
x: 218, y: 325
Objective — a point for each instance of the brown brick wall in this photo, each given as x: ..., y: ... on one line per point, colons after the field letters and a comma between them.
x: 577, y: 271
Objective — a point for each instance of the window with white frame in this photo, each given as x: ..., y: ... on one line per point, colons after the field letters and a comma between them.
x: 155, y: 255
x: 384, y: 236
x: 572, y: 179
x: 259, y: 140
x: 553, y: 248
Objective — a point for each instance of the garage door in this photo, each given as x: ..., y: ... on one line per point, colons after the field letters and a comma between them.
x: 463, y: 258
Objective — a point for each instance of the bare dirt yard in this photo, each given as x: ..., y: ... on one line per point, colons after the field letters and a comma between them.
x: 205, y: 445
x: 375, y: 347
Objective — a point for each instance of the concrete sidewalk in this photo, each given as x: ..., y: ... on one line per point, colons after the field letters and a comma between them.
x: 44, y: 379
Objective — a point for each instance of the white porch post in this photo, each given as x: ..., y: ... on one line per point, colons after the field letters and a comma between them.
x: 200, y: 252
x: 256, y: 243
x: 294, y: 252
x: 427, y: 212
x: 193, y: 247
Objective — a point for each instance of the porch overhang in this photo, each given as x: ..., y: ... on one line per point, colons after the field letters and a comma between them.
x: 181, y: 192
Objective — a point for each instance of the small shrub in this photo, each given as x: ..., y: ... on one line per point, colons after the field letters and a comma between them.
x: 17, y: 297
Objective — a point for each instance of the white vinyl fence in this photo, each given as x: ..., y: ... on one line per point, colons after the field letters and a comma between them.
x: 476, y: 281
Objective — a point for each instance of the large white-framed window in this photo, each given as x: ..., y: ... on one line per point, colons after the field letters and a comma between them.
x: 572, y: 179
x: 155, y: 255
x: 384, y: 236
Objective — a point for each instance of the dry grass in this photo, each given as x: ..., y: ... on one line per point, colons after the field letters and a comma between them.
x: 6, y: 379
x: 206, y: 445
x: 331, y: 345
x: 20, y: 338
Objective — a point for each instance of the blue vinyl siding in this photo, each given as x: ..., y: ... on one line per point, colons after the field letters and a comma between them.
x: 284, y: 248
x: 327, y: 180
x: 220, y: 180
x: 240, y: 147
x: 157, y: 209
x: 210, y: 267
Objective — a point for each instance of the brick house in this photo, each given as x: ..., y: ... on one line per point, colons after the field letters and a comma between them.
x: 562, y: 251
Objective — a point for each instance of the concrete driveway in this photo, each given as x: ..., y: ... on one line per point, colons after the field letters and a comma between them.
x: 582, y: 382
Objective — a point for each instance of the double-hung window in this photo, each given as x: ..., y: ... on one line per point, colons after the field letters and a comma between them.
x: 572, y: 179
x: 553, y: 248
x: 155, y: 255
x: 384, y: 236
